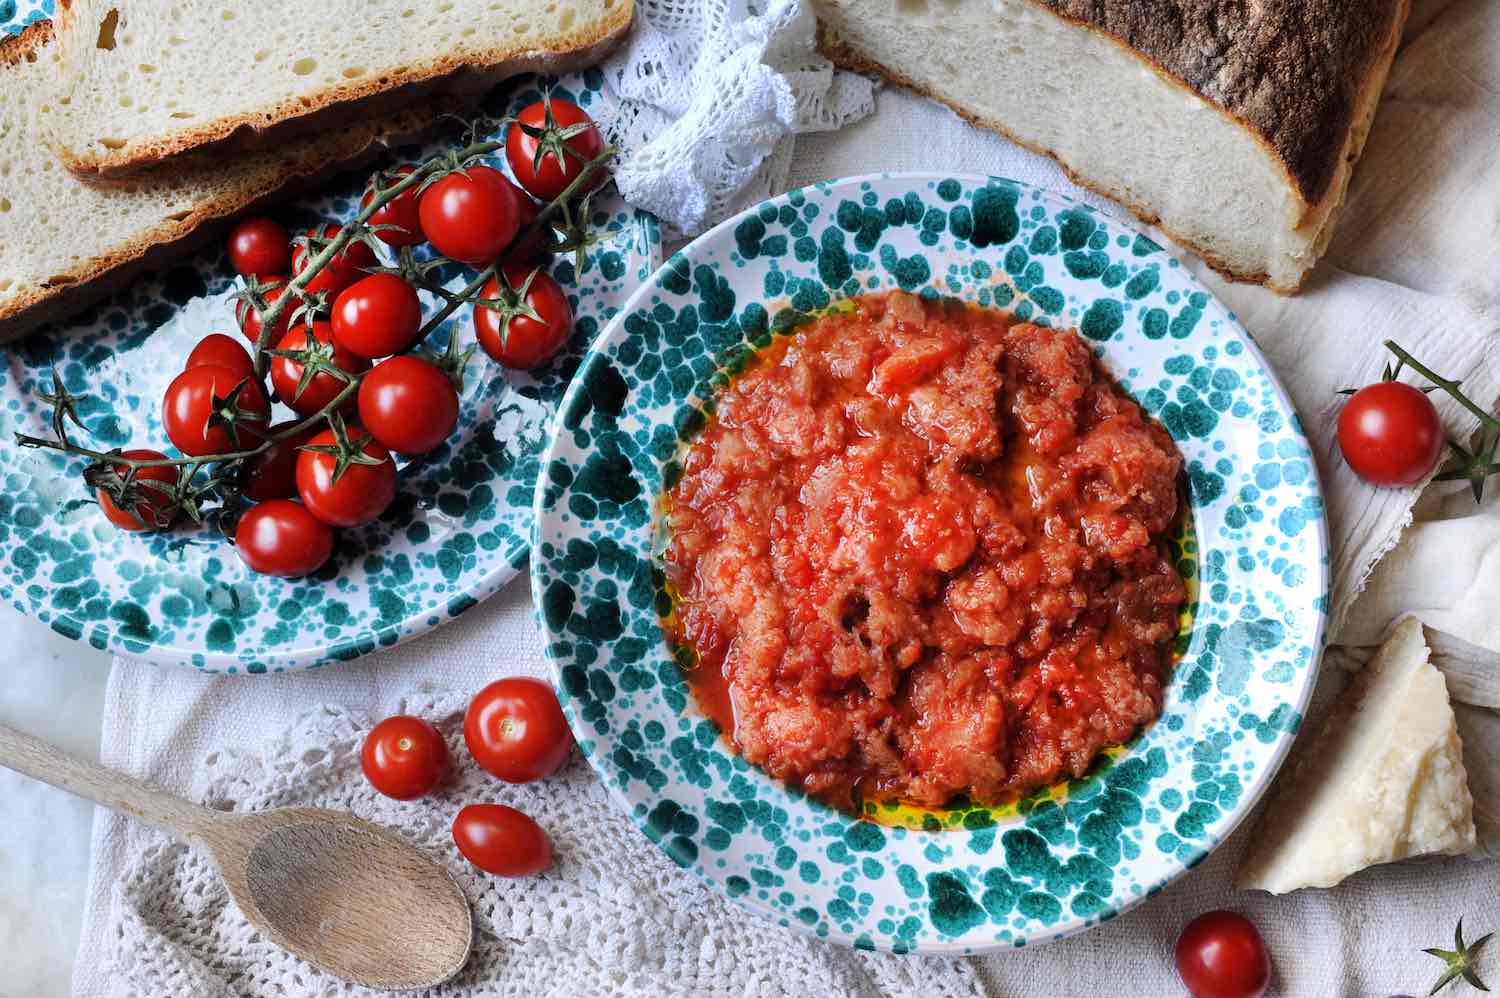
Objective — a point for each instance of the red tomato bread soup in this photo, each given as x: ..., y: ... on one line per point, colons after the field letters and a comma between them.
x: 919, y: 552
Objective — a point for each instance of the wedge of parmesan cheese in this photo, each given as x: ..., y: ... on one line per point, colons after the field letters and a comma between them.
x: 1384, y: 780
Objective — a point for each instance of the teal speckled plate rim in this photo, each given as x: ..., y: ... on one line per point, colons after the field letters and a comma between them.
x: 1124, y: 832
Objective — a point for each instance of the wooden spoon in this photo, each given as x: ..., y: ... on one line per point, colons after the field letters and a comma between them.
x: 347, y: 896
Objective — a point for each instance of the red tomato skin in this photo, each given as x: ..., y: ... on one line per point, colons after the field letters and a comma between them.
x: 322, y: 389
x: 259, y: 247
x: 188, y: 403
x: 249, y: 322
x: 515, y: 729
x: 280, y: 537
x: 529, y: 248
x: 404, y: 757
x: 224, y: 351
x: 272, y: 474
x: 408, y: 404
x: 529, y: 344
x: 472, y: 216
x: 1220, y: 954
x: 376, y: 316
x: 151, y: 517
x: 343, y: 270
x: 553, y: 177
x: 402, y: 211
x: 501, y: 841
x: 359, y: 496
x: 1390, y: 434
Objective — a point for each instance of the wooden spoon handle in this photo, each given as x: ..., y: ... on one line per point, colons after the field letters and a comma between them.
x: 35, y: 758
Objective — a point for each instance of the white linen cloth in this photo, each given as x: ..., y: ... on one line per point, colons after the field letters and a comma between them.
x: 1416, y: 258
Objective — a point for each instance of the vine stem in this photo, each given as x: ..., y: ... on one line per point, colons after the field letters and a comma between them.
x: 1450, y: 388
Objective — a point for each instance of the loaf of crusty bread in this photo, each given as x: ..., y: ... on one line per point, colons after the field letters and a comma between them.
x: 147, y: 80
x: 65, y: 244
x: 1233, y: 126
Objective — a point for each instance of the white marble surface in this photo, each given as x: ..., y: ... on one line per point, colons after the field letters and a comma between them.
x: 53, y: 688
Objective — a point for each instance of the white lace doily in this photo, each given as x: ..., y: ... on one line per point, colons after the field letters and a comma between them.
x: 613, y: 916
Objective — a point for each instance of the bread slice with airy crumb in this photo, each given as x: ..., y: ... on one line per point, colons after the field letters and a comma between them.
x: 65, y: 244
x: 144, y: 81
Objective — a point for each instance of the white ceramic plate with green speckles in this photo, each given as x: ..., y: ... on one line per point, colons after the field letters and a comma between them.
x: 975, y: 879
x: 459, y: 529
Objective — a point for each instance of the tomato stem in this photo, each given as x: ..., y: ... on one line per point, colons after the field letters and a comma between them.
x: 1451, y: 388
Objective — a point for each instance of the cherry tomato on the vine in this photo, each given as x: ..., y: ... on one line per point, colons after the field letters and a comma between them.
x: 272, y: 474
x: 1221, y: 955
x: 152, y: 493
x: 280, y: 537
x: 343, y: 270
x: 409, y: 404
x: 224, y: 351
x: 501, y: 840
x: 562, y: 159
x: 376, y: 316
x: 319, y: 350
x: 470, y: 216
x: 515, y: 729
x: 530, y: 247
x: 210, y: 410
x: 401, y: 212
x: 249, y: 318
x: 1390, y: 434
x: 404, y: 757
x: 524, y: 342
x: 259, y: 247
x: 358, y: 495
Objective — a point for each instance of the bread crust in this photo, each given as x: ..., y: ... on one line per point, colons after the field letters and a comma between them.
x: 463, y: 78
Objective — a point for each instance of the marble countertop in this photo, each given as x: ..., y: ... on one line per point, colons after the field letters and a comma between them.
x: 52, y: 688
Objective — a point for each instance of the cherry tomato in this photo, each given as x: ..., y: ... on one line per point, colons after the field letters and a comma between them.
x: 558, y: 168
x: 343, y: 270
x: 198, y: 426
x: 470, y: 216
x: 224, y: 351
x: 286, y: 372
x: 272, y: 474
x: 1221, y: 955
x: 1390, y: 434
x: 501, y: 840
x: 409, y: 404
x: 404, y: 757
x: 148, y: 512
x: 515, y: 729
x: 259, y: 247
x: 529, y: 248
x: 249, y: 319
x: 359, y: 495
x: 527, y: 343
x: 401, y: 211
x: 376, y: 316
x: 280, y: 537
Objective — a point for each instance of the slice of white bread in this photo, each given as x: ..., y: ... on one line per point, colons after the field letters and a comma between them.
x: 1383, y: 780
x: 1232, y: 126
x: 65, y: 244
x: 147, y: 80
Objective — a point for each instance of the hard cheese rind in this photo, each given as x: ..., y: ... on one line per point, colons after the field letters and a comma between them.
x: 1383, y: 781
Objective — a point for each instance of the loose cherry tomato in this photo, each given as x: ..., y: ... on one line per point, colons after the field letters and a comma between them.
x: 280, y: 537
x: 148, y: 511
x: 259, y: 247
x: 409, y: 404
x: 401, y: 211
x: 1390, y: 434
x: 210, y: 409
x: 562, y: 159
x: 1221, y: 955
x: 319, y: 351
x: 523, y: 342
x: 501, y: 840
x: 470, y: 216
x: 224, y: 351
x: 343, y: 270
x: 515, y: 729
x: 357, y: 496
x: 272, y: 474
x: 376, y: 316
x: 249, y: 318
x: 404, y: 757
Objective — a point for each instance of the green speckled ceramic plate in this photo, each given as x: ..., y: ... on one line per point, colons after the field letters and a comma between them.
x: 968, y: 880
x: 459, y: 529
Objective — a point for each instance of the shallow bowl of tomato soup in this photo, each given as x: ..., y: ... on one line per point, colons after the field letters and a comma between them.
x: 930, y: 563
